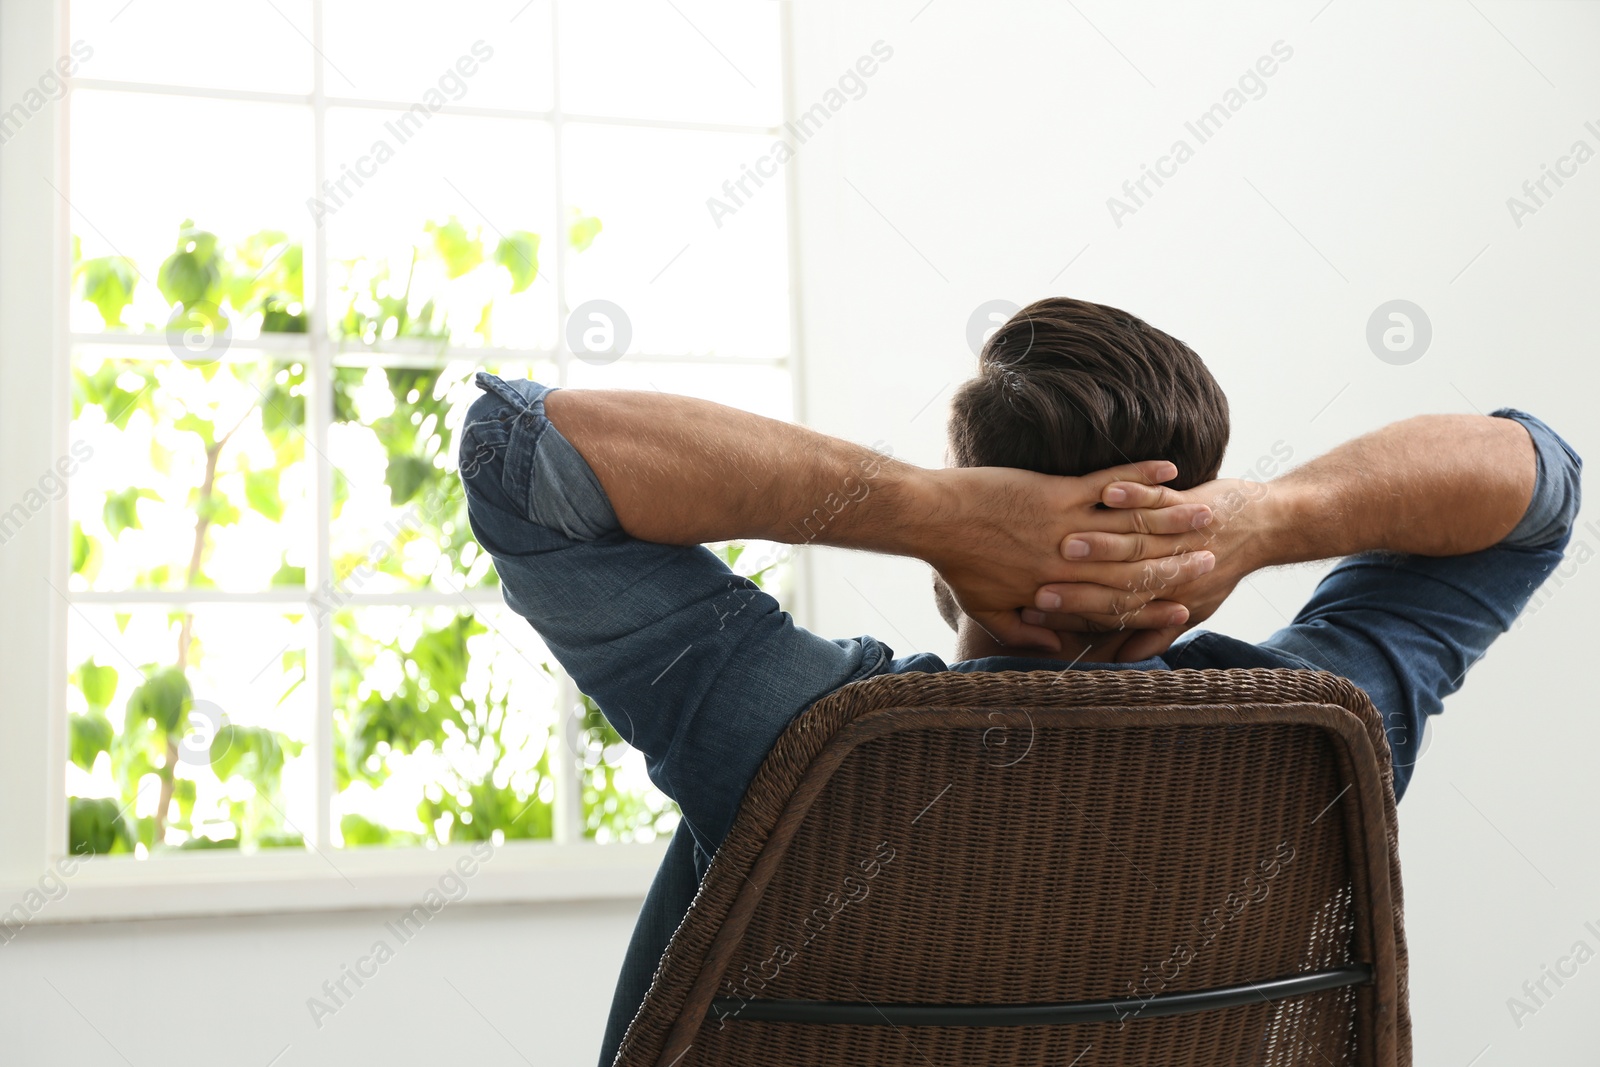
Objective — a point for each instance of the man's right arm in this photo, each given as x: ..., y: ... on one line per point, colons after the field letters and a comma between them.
x: 1449, y: 525
x: 1434, y: 485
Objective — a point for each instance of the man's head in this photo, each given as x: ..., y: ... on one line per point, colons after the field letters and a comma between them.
x: 1067, y: 387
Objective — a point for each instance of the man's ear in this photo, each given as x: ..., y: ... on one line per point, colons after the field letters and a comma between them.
x: 949, y: 610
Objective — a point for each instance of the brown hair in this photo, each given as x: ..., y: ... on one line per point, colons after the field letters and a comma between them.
x: 1068, y: 387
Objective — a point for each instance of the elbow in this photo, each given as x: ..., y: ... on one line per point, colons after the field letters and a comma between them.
x: 1557, y: 492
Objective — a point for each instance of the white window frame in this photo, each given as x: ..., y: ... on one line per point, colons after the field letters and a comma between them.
x: 35, y: 298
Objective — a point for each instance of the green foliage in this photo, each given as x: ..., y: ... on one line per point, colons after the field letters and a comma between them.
x: 98, y: 684
x: 85, y: 552
x: 406, y: 475
x: 261, y: 491
x: 90, y: 734
x: 260, y: 275
x: 189, y: 276
x: 495, y: 778
x: 107, y: 283
x: 358, y: 831
x: 121, y: 509
x: 460, y: 250
x: 380, y: 305
x: 582, y: 230
x: 252, y: 753
x: 609, y: 810
x: 518, y: 252
x: 195, y: 844
x: 160, y: 701
x: 105, y: 389
x: 96, y: 827
x: 492, y: 778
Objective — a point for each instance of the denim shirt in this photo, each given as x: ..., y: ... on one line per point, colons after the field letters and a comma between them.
x: 701, y: 671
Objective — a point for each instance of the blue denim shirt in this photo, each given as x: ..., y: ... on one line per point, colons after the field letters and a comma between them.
x: 701, y: 671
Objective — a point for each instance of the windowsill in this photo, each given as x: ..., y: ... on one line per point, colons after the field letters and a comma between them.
x: 200, y: 885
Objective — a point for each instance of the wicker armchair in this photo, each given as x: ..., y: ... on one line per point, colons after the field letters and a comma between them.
x: 1077, y: 868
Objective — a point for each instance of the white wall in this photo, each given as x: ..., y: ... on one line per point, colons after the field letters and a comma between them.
x: 1391, y: 139
x: 989, y: 144
x: 484, y: 985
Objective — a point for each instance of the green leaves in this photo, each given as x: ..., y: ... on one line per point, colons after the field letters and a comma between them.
x: 96, y: 827
x: 104, y: 389
x: 108, y: 283
x: 261, y: 493
x: 262, y: 274
x: 164, y: 696
x: 266, y: 274
x: 121, y: 510
x: 98, y: 684
x: 283, y: 407
x: 518, y: 252
x: 460, y: 250
x: 85, y: 552
x: 359, y: 831
x: 405, y: 476
x: 189, y: 275
x: 582, y: 230
x: 203, y: 428
x: 254, y: 753
x: 89, y: 735
x: 215, y: 509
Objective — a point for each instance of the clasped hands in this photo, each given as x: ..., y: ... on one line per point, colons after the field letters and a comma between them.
x: 1031, y: 556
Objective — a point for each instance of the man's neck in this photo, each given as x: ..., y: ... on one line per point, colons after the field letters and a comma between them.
x: 973, y: 643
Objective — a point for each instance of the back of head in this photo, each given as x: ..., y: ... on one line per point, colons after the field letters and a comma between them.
x: 1069, y: 387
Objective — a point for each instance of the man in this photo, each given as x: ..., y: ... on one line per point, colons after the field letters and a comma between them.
x: 1052, y: 549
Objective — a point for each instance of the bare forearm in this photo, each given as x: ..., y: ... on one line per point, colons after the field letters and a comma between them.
x: 684, y: 471
x: 1434, y: 485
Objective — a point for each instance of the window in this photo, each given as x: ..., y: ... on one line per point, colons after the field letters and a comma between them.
x: 293, y: 238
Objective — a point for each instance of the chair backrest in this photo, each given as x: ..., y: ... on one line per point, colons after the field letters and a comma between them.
x: 1073, y: 868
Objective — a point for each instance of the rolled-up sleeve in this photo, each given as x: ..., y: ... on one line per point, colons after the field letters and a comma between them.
x: 1557, y: 491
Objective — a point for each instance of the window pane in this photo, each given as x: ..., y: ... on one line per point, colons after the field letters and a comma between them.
x: 266, y: 47
x: 189, y: 476
x: 690, y: 60
x: 489, y: 53
x: 188, y: 729
x: 686, y: 285
x: 400, y: 519
x: 444, y: 725
x: 620, y: 803
x: 449, y: 238
x: 216, y: 187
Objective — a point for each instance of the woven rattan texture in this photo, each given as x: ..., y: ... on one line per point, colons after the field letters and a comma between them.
x: 1017, y: 858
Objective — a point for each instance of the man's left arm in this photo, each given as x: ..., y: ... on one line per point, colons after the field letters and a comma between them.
x: 592, y: 505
